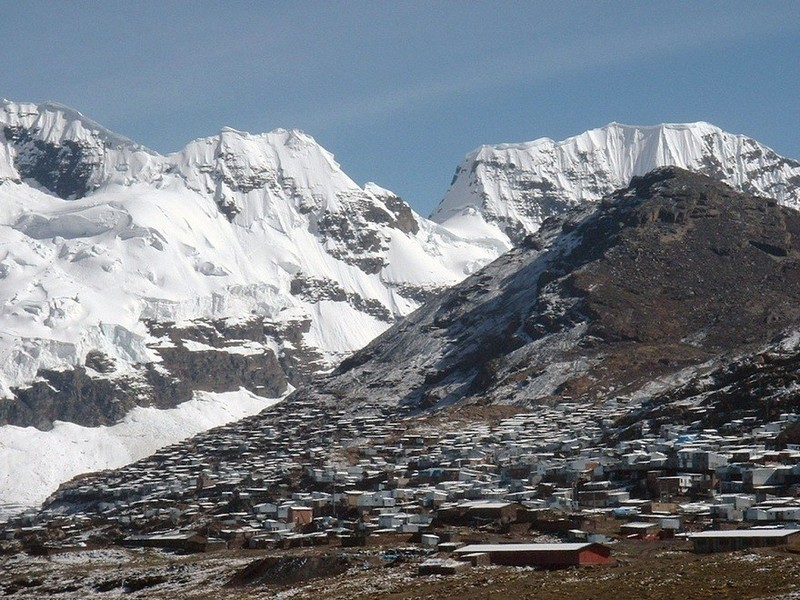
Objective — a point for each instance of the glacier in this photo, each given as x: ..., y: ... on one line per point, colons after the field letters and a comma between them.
x: 220, y: 229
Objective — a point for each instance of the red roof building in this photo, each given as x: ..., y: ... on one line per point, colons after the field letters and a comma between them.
x: 542, y: 555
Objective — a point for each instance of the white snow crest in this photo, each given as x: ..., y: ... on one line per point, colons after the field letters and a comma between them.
x: 522, y: 184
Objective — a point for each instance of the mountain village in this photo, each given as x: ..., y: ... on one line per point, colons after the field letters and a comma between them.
x: 400, y: 300
x: 300, y: 474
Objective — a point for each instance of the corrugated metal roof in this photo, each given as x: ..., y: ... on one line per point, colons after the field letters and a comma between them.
x: 524, y: 547
x: 640, y: 525
x: 484, y: 504
x: 744, y: 533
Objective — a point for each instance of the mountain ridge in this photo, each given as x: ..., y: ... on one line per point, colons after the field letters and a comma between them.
x: 298, y: 229
x: 668, y: 274
x: 134, y: 279
x: 510, y: 189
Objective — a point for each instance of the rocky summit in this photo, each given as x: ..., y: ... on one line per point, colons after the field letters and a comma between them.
x: 673, y: 272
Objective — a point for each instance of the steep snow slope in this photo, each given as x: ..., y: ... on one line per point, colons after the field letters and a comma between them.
x: 506, y: 191
x: 99, y: 234
x: 33, y: 462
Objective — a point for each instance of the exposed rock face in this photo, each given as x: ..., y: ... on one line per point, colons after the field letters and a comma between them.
x: 679, y: 259
x: 317, y: 290
x: 350, y: 233
x: 62, y: 169
x: 61, y: 150
x: 208, y: 355
x: 80, y: 396
x: 676, y: 270
x: 759, y: 385
x: 246, y: 349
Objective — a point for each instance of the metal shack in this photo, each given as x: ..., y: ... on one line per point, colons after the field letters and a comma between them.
x: 541, y: 555
x: 300, y: 515
x: 725, y: 541
x: 639, y: 529
x: 479, y: 511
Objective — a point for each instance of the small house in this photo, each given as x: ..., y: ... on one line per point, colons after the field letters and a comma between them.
x: 640, y: 529
x: 300, y: 515
x: 726, y: 541
x: 541, y: 555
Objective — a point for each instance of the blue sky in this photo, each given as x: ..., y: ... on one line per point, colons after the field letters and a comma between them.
x: 401, y: 91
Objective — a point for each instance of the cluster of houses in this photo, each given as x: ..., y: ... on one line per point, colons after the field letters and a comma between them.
x: 303, y: 474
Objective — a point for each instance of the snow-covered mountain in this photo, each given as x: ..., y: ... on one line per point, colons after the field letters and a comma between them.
x: 505, y: 191
x: 101, y: 234
x: 103, y: 237
x: 133, y: 279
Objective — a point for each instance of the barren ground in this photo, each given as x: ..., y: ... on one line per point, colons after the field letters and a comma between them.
x: 644, y: 570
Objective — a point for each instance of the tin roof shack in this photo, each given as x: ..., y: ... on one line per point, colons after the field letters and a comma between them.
x: 300, y: 515
x: 467, y: 513
x: 551, y: 556
x: 601, y: 494
x: 187, y: 541
x: 640, y: 529
x: 442, y: 566
x: 726, y: 541
x: 549, y: 521
x: 505, y: 512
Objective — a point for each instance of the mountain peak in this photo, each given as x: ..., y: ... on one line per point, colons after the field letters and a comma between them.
x: 56, y: 123
x: 511, y: 189
x: 62, y: 151
x: 286, y: 136
x: 691, y: 126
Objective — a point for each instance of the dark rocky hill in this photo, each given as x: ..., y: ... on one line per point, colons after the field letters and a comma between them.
x: 673, y: 272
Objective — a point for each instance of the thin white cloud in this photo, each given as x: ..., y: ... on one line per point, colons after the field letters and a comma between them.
x: 582, y: 52
x: 319, y: 68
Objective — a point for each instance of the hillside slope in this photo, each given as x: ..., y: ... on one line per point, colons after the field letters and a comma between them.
x: 674, y: 273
